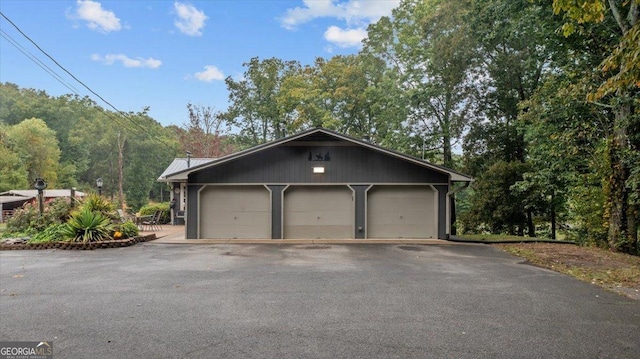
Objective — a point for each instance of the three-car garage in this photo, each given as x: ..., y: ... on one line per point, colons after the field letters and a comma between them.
x: 318, y: 184
x: 317, y: 212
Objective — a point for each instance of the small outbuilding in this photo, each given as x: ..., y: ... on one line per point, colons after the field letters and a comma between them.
x: 316, y: 184
x: 11, y: 200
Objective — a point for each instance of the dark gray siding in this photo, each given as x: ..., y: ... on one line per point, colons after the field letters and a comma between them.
x: 276, y: 211
x: 346, y: 163
x: 361, y: 211
x: 192, y: 211
x: 442, y: 211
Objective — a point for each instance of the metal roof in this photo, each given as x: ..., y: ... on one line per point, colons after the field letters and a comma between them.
x: 179, y: 165
x: 182, y: 175
x: 48, y: 193
x: 12, y: 199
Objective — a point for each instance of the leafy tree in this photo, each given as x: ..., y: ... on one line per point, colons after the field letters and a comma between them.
x: 350, y: 94
x: 203, y: 135
x: 129, y: 143
x: 254, y: 107
x: 515, y: 46
x: 127, y: 150
x: 618, y: 91
x: 427, y: 46
x: 515, y: 41
x: 14, y: 175
x: 494, y: 204
x: 37, y: 148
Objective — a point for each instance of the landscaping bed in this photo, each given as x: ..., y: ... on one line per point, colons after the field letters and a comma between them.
x: 115, y: 243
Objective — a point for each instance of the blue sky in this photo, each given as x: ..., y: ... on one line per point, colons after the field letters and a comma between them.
x: 165, y: 54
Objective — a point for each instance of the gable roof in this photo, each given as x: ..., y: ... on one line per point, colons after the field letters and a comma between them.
x: 179, y: 165
x: 182, y: 174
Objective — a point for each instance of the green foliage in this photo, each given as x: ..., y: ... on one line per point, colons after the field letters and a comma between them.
x: 86, y: 226
x: 25, y: 220
x: 86, y: 136
x: 128, y: 229
x: 36, y: 146
x: 53, y: 233
x: 14, y: 174
x: 102, y: 205
x: 254, y: 108
x: 494, y: 204
x: 28, y: 219
x: 625, y: 54
x: 429, y: 55
x: 616, y: 88
x: 151, y: 208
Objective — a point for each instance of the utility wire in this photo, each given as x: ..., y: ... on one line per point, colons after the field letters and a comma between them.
x: 124, y: 114
x: 37, y: 61
x: 53, y: 73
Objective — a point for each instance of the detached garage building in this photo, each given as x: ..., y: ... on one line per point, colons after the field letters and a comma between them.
x: 317, y: 184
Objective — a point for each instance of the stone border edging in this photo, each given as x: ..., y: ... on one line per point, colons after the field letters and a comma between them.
x: 116, y: 243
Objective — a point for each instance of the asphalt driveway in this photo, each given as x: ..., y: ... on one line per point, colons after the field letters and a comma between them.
x: 308, y: 301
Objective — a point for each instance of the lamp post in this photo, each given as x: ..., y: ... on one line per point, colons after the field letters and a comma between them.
x: 99, y: 183
x: 40, y: 185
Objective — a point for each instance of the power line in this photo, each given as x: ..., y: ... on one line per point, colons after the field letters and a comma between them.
x: 50, y: 71
x: 122, y: 113
x: 37, y: 61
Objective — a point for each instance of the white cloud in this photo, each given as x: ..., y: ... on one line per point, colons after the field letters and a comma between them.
x: 345, y: 38
x: 126, y: 61
x: 354, y: 12
x: 190, y: 20
x: 210, y: 73
x: 96, y: 17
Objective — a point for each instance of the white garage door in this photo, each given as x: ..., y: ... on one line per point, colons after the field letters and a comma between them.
x: 318, y: 212
x: 235, y: 212
x: 401, y: 212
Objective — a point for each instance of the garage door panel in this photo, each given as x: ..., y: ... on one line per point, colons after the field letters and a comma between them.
x: 401, y: 212
x: 236, y: 232
x: 406, y: 217
x: 318, y: 212
x: 321, y: 217
x: 235, y: 212
x: 252, y: 218
x: 320, y: 231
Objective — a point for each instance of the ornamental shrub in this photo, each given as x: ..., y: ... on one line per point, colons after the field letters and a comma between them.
x: 86, y: 226
x: 53, y: 233
x: 151, y: 208
x: 28, y: 220
x: 128, y: 229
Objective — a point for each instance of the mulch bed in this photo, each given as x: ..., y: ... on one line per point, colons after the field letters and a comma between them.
x: 116, y: 243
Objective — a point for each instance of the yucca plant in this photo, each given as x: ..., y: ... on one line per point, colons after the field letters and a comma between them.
x: 95, y: 203
x: 87, y: 226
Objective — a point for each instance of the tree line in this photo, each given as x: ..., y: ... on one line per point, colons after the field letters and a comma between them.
x: 537, y: 100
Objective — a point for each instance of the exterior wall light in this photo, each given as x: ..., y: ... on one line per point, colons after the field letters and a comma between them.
x: 318, y: 169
